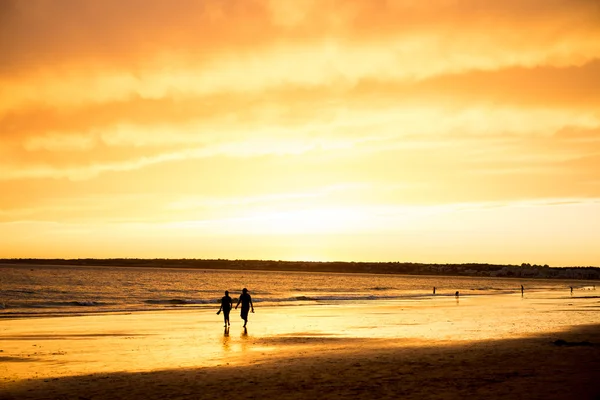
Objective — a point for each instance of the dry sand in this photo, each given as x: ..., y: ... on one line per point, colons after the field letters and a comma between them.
x: 478, y: 347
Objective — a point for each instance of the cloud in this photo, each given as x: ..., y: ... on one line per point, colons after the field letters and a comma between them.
x: 42, y: 32
x: 207, y: 110
x: 114, y: 49
x: 564, y: 88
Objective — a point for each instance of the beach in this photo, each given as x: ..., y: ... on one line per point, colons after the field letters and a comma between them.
x: 542, y: 345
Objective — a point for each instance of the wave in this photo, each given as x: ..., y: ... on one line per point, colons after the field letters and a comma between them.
x: 57, y: 312
x: 74, y: 303
x: 493, y: 289
x: 180, y: 301
x: 80, y: 307
x: 287, y: 300
x: 18, y: 291
x: 323, y: 289
x: 325, y: 298
x: 344, y: 290
x: 356, y: 297
x: 53, y: 304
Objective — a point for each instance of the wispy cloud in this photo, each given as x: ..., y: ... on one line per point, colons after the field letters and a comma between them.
x: 296, y: 111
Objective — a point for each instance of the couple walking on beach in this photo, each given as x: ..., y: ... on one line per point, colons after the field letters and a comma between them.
x: 227, y: 305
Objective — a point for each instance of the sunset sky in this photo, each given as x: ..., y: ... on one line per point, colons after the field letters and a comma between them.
x: 366, y: 130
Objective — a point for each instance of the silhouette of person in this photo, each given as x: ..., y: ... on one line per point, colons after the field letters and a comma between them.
x: 246, y: 301
x: 226, y: 306
x: 434, y: 290
x: 571, y: 289
x: 456, y: 294
x: 522, y: 290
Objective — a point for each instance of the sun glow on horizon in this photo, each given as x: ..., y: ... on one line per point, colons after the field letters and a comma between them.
x: 396, y: 131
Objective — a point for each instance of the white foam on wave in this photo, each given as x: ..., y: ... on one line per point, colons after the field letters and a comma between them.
x: 180, y: 301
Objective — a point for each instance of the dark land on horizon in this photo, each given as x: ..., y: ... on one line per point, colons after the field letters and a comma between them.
x: 524, y: 270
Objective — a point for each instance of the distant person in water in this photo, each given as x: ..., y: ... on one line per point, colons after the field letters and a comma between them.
x: 434, y: 290
x: 571, y: 289
x: 456, y: 294
x: 247, y: 305
x: 226, y: 306
x: 522, y: 290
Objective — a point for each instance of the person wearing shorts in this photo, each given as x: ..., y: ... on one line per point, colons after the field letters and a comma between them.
x: 247, y: 305
x: 226, y: 304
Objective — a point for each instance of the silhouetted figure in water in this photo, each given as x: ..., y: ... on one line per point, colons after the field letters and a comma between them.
x: 456, y: 294
x: 247, y: 305
x: 434, y: 290
x: 226, y: 306
x: 571, y: 290
x: 522, y: 290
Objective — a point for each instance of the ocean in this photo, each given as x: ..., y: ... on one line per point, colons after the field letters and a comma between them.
x: 43, y: 291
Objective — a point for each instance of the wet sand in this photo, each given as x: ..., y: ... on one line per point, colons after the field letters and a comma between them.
x: 542, y: 345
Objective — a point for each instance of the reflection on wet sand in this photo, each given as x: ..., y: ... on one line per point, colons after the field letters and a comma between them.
x: 77, y: 346
x: 362, y: 369
x: 244, y: 340
x: 226, y: 339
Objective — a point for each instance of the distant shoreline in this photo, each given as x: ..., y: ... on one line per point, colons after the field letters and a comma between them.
x: 396, y: 268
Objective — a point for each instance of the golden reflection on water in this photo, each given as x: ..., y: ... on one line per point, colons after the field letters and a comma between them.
x: 226, y: 339
x: 244, y: 340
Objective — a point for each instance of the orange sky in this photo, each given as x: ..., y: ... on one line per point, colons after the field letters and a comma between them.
x: 439, y: 131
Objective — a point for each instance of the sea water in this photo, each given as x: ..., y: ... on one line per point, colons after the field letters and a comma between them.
x: 35, y: 291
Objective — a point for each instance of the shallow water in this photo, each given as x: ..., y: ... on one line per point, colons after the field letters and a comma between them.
x: 27, y: 291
